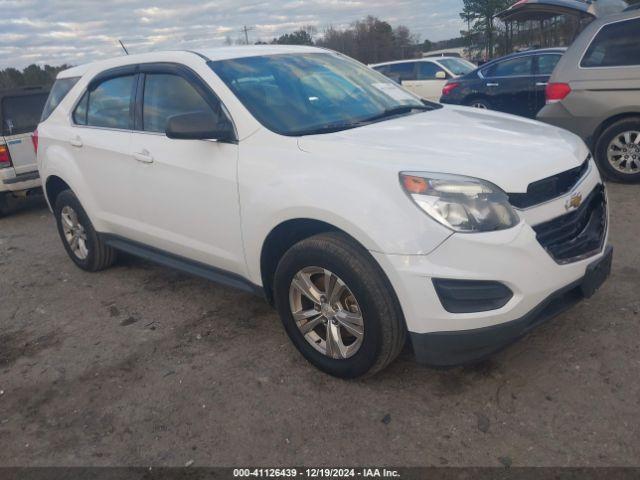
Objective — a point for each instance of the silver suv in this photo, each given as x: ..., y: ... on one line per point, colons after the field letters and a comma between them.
x: 595, y: 92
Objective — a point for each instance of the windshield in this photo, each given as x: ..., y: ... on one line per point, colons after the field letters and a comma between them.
x: 301, y: 94
x: 457, y: 66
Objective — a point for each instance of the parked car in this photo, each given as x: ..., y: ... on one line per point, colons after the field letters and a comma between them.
x: 20, y: 111
x: 595, y: 93
x: 425, y: 77
x: 512, y: 84
x: 357, y: 211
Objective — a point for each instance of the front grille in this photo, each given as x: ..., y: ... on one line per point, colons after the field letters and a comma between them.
x: 578, y: 234
x: 549, y: 188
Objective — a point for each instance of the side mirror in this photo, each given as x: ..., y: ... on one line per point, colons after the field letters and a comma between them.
x: 199, y: 126
x: 440, y: 75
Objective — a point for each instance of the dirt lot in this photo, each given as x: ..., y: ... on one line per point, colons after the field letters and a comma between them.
x: 140, y: 365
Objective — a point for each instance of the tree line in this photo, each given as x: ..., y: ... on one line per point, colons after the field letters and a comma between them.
x: 30, y: 76
x: 369, y: 40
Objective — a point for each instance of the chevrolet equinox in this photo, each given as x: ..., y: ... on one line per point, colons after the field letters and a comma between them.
x: 364, y: 214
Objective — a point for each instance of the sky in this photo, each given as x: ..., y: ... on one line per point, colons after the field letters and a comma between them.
x: 81, y: 31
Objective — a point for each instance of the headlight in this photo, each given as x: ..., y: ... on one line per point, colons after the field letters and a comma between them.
x: 463, y: 204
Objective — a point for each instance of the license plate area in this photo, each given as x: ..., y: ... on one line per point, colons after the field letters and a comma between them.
x: 597, y: 273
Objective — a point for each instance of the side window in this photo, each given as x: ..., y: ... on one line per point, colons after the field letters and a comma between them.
x: 58, y: 93
x: 166, y: 95
x: 428, y: 71
x: 615, y: 45
x: 108, y: 105
x: 546, y: 64
x: 515, y: 67
x: 401, y: 72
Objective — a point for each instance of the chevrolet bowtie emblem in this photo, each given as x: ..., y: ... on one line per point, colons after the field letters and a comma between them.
x: 574, y: 202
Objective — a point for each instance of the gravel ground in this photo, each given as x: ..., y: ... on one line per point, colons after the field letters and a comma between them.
x: 140, y: 365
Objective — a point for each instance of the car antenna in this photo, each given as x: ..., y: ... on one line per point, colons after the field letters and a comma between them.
x: 123, y: 47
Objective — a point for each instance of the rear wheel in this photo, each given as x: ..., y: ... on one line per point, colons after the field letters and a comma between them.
x: 480, y: 103
x: 337, y: 306
x: 618, y: 151
x: 80, y: 240
x: 3, y: 204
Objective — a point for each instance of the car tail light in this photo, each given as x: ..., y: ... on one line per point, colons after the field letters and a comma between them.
x: 449, y: 87
x: 5, y: 157
x: 34, y: 139
x: 557, y: 91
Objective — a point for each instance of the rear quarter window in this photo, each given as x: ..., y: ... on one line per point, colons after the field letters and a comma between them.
x: 615, y: 45
x: 58, y: 92
x: 21, y: 114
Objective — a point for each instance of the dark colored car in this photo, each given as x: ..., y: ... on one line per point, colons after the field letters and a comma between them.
x: 512, y: 84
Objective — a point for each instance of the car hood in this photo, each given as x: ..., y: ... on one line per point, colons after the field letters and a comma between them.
x: 506, y: 150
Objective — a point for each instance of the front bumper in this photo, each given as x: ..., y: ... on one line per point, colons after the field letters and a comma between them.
x: 444, y: 349
x: 513, y: 258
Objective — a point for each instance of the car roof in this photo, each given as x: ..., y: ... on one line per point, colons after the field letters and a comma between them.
x: 423, y: 59
x: 23, y: 91
x: 537, y: 51
x: 210, y: 54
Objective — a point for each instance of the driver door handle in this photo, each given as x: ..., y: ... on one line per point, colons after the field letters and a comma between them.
x: 143, y: 157
x: 542, y: 84
x: 493, y: 84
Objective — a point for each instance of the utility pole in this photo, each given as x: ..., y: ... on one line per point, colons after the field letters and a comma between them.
x: 246, y: 31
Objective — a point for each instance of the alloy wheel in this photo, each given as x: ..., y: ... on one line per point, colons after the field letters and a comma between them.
x: 326, y: 312
x: 623, y: 152
x: 74, y: 233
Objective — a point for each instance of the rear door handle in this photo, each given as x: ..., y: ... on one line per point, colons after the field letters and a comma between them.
x: 143, y: 157
x: 76, y: 142
x: 493, y: 84
x: 542, y: 84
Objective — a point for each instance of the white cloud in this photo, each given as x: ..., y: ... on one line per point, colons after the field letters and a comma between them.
x: 74, y: 31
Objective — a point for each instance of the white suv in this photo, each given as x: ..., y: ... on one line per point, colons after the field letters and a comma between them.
x: 361, y: 212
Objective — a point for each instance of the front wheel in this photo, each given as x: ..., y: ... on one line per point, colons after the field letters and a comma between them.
x: 337, y: 306
x: 618, y: 151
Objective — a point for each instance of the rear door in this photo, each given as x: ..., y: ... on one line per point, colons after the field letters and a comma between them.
x: 508, y: 84
x: 20, y: 117
x: 543, y: 67
x: 427, y: 83
x: 100, y: 141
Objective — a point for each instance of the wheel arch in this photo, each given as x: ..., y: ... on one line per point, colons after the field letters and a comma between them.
x: 600, y: 129
x: 286, y: 234
x: 54, y: 185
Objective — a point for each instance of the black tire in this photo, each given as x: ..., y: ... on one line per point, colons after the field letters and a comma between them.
x: 480, y: 103
x: 602, y: 145
x: 384, y: 327
x: 100, y: 255
x: 4, y: 207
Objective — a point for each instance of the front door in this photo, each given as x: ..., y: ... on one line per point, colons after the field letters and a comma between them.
x: 189, y: 192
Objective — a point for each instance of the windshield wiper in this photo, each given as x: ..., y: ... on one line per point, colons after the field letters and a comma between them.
x: 339, y: 126
x: 330, y: 128
x: 392, y: 112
